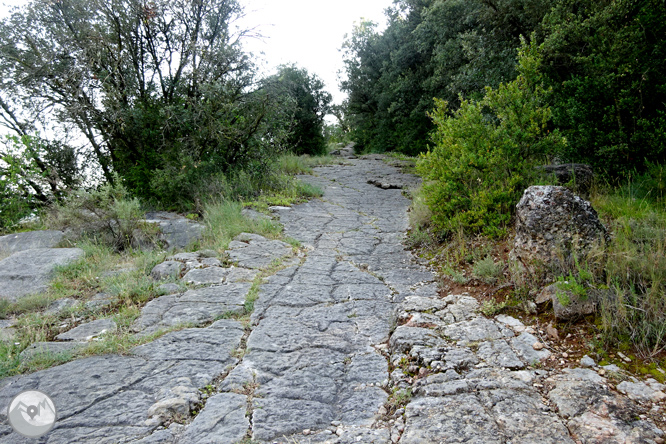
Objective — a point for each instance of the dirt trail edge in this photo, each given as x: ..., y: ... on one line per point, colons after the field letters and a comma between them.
x: 351, y: 344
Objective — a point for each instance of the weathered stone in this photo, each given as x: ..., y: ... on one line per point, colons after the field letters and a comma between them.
x: 100, y: 301
x: 61, y: 305
x: 193, y: 307
x: 185, y: 257
x: 404, y: 338
x: 499, y: 354
x: 595, y: 413
x: 524, y: 345
x: 223, y: 421
x: 552, y: 223
x: 166, y: 270
x: 477, y: 330
x: 31, y: 240
x: 176, y: 231
x: 639, y: 391
x: 169, y: 289
x: 50, y: 349
x: 89, y: 331
x: 237, y: 274
x: 566, y: 305
x: 254, y: 251
x: 29, y: 271
x: 206, y: 276
x: 586, y: 361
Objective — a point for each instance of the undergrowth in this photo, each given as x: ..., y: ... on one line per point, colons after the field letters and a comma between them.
x: 118, y: 260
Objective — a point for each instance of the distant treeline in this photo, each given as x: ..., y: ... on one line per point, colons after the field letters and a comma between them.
x: 604, y: 60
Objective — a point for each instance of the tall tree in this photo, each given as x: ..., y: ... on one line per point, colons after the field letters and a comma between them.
x: 153, y: 86
x: 606, y: 61
x: 431, y: 48
x: 310, y: 104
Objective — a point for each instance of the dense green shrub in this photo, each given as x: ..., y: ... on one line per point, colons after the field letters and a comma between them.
x: 307, y: 102
x: 33, y: 172
x: 484, y: 154
x: 606, y: 61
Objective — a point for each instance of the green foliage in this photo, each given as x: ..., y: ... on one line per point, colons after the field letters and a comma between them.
x: 224, y: 221
x: 484, y: 154
x: 33, y: 172
x: 107, y: 214
x: 310, y: 103
x: 162, y: 91
x: 605, y: 61
x: 487, y: 269
x: 430, y: 48
x: 635, y: 270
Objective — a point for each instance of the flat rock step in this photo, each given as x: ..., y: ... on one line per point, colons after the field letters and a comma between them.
x: 88, y: 331
x: 29, y: 271
x: 30, y: 240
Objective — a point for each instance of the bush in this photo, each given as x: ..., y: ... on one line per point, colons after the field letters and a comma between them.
x: 108, y: 214
x: 484, y: 154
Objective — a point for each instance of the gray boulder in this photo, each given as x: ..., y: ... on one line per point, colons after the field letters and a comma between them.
x: 566, y: 305
x: 28, y: 272
x: 88, y: 331
x: 257, y: 252
x: 553, y: 226
x: 176, y: 231
x: 167, y: 269
x: 13, y: 243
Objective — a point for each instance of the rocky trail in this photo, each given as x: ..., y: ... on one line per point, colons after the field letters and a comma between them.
x: 349, y: 341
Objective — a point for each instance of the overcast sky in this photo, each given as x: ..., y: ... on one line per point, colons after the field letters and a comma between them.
x: 306, y: 32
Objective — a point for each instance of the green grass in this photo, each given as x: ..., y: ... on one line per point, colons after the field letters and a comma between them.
x: 124, y: 273
x: 292, y: 164
x: 488, y: 270
x: 224, y: 221
x: 635, y: 271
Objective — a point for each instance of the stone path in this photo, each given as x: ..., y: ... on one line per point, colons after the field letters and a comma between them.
x: 349, y: 343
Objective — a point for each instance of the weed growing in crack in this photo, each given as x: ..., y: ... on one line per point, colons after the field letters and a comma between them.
x: 398, y: 399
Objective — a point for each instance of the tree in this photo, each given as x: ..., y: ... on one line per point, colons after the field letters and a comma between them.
x: 606, y: 61
x: 155, y: 87
x: 431, y: 48
x: 310, y: 104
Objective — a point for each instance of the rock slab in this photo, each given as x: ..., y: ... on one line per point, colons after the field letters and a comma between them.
x: 29, y: 271
x: 31, y: 240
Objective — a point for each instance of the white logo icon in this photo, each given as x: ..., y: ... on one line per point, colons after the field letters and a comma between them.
x: 32, y: 413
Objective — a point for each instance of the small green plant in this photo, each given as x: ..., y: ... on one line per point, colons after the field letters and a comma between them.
x: 488, y: 270
x: 457, y: 276
x: 397, y: 399
x: 491, y: 307
x: 109, y: 215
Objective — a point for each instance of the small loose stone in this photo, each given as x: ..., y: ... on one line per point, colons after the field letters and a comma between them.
x: 537, y: 346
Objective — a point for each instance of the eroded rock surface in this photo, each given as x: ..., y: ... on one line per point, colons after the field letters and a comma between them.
x: 553, y: 224
x: 29, y: 271
x: 30, y: 240
x: 349, y: 342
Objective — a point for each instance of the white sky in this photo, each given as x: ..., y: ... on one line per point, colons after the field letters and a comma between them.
x: 309, y: 32
x: 306, y: 32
